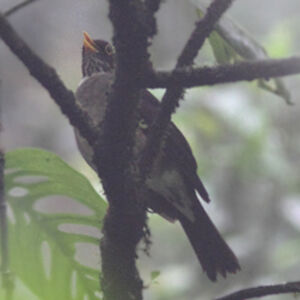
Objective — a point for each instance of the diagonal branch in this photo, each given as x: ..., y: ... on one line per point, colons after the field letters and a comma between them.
x: 49, y: 79
x: 261, y: 291
x: 174, y: 93
x: 203, y: 29
x: 242, y: 71
x: 16, y: 8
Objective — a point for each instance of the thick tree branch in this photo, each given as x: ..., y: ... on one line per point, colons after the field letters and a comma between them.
x: 261, y: 291
x: 18, y: 7
x: 151, y: 7
x: 120, y: 119
x: 243, y: 71
x: 175, y: 92
x: 126, y: 217
x: 49, y: 79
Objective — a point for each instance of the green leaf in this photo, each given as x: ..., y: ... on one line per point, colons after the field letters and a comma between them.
x: 222, y: 50
x: 54, y: 215
x: 154, y: 275
x: 231, y: 42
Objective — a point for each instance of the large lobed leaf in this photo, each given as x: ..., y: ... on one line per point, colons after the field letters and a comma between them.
x: 54, y: 221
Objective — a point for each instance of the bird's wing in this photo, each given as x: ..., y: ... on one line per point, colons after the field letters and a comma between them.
x: 176, y: 147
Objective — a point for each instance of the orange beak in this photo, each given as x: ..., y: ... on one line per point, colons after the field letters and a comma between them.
x: 88, y: 43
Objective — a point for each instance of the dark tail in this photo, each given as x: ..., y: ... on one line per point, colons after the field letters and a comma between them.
x: 214, y: 254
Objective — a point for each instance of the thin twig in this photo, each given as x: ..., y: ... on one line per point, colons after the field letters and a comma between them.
x: 174, y: 93
x: 242, y: 71
x: 16, y: 8
x: 261, y: 291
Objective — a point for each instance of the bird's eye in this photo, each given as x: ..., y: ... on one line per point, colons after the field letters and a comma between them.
x: 109, y: 50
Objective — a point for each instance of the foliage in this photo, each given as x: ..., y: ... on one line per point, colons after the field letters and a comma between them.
x: 230, y: 43
x: 44, y: 244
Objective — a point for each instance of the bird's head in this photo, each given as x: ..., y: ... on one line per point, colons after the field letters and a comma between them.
x: 97, y: 56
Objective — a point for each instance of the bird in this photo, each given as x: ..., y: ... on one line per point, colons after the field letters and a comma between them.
x: 173, y: 186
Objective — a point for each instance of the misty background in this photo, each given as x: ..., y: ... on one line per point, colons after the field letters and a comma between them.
x: 246, y: 140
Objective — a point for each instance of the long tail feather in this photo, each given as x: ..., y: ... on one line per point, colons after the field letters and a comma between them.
x: 214, y: 254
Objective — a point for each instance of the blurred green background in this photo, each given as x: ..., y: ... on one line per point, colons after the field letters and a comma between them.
x: 246, y: 140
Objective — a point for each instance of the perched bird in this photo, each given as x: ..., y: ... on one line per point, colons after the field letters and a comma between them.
x: 172, y: 187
